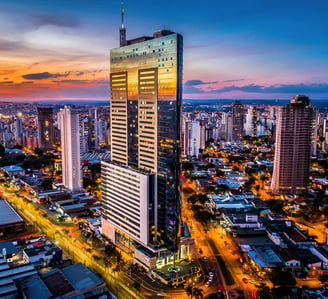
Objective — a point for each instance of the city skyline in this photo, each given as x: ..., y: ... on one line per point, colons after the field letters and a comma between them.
x: 60, y: 50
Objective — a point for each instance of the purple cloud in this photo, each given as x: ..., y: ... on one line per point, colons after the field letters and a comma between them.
x: 197, y: 82
x: 233, y: 80
x: 47, y: 75
x: 277, y: 88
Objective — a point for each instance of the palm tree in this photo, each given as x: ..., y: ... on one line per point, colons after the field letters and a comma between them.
x: 189, y: 291
x: 198, y: 293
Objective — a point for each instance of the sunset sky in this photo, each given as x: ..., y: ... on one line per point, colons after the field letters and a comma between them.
x: 261, y: 49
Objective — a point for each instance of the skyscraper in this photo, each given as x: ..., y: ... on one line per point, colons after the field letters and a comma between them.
x: 46, y: 136
x: 93, y: 137
x: 140, y: 183
x: 192, y: 137
x: 237, y: 121
x: 294, y: 135
x: 251, y: 120
x: 70, y: 146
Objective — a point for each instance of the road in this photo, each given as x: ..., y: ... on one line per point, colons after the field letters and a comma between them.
x: 215, y: 245
x: 202, y: 243
x: 81, y: 252
x: 314, y: 229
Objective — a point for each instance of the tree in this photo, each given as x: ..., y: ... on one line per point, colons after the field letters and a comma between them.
x: 278, y: 277
x: 264, y: 292
x: 39, y: 152
x: 203, y: 216
x: 187, y: 166
x: 281, y: 292
x: 214, y: 296
x: 197, y: 198
x: 95, y: 168
x: 276, y: 205
x: 189, y: 291
x: 198, y: 293
x: 2, y: 150
x: 46, y: 184
x: 188, y: 190
x: 137, y: 285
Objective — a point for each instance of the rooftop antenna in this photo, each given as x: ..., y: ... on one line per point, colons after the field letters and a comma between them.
x: 122, y: 29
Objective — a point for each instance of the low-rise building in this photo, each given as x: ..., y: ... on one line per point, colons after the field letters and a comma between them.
x: 75, y: 281
x: 13, y: 170
x: 10, y: 221
x: 42, y: 253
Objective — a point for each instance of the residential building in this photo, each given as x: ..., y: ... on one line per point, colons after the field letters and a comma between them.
x: 294, y: 136
x: 70, y: 144
x: 237, y: 121
x: 193, y: 142
x: 93, y: 137
x: 251, y: 121
x: 46, y: 134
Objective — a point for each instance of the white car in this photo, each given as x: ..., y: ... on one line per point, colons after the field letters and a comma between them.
x: 207, y: 284
x: 210, y: 274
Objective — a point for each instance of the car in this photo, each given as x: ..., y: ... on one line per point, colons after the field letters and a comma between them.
x: 207, y: 284
x: 210, y: 279
x: 245, y: 280
x: 210, y: 274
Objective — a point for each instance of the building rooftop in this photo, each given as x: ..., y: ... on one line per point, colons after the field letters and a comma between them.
x: 34, y: 287
x: 8, y: 214
x: 156, y: 34
x: 81, y: 277
x: 9, y: 246
x: 57, y: 283
x: 12, y: 168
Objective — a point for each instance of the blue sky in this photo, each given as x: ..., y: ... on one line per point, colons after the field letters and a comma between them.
x: 232, y: 49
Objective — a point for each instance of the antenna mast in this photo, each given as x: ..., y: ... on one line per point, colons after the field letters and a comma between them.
x: 122, y: 29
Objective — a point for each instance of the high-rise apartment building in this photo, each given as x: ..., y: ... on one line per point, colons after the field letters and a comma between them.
x: 294, y: 137
x: 93, y: 135
x: 70, y: 147
x: 251, y: 121
x: 141, y: 203
x: 46, y: 134
x: 237, y: 121
x: 192, y: 139
x: 17, y: 129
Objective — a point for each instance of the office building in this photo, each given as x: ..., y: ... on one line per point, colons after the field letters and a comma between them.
x: 294, y: 137
x: 140, y: 184
x: 70, y: 146
x: 46, y: 134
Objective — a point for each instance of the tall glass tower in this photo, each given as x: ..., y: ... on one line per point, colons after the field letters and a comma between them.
x: 146, y: 95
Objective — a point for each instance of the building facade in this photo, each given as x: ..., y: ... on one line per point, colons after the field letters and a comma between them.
x: 294, y: 137
x: 70, y: 145
x: 146, y: 94
x: 193, y: 141
x: 46, y: 134
x: 237, y: 121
